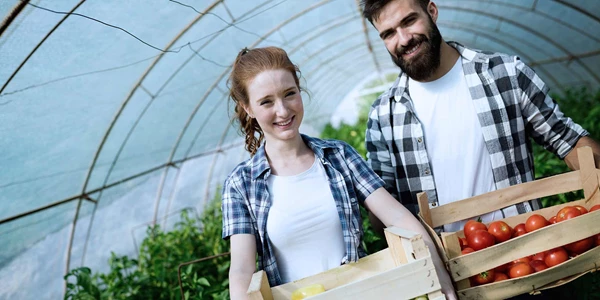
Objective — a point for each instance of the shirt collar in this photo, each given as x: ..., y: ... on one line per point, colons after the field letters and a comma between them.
x: 259, y: 163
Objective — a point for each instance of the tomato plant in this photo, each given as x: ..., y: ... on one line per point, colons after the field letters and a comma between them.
x: 471, y: 226
x: 556, y: 256
x: 501, y: 231
x: 480, y: 239
x: 535, y: 222
x: 519, y: 270
x: 484, y: 277
x: 520, y: 230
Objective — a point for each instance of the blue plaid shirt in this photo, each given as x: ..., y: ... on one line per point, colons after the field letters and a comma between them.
x: 246, y: 200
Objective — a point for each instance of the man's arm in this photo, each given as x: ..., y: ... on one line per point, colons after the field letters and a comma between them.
x: 572, y: 160
x: 379, y: 160
x: 544, y: 121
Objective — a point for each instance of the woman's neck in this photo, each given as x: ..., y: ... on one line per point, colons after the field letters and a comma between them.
x: 289, y: 157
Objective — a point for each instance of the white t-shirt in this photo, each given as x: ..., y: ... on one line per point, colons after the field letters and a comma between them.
x: 459, y: 159
x: 303, y: 224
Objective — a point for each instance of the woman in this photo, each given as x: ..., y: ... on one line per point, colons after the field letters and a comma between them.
x: 295, y: 201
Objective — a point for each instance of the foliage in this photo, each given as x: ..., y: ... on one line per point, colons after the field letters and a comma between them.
x: 583, y: 107
x: 154, y: 275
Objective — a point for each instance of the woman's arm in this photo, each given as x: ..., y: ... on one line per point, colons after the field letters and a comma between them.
x: 243, y: 264
x: 392, y: 213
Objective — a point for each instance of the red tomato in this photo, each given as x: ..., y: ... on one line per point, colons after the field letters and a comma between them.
x: 539, y: 256
x: 581, y: 209
x: 471, y: 226
x: 503, y: 268
x: 598, y: 240
x: 480, y: 239
x: 520, y: 230
x: 538, y: 265
x: 595, y: 207
x: 525, y: 259
x: 467, y: 250
x: 463, y: 243
x: 484, y: 277
x: 520, y: 270
x: 552, y: 220
x: 581, y: 245
x: 556, y: 256
x: 501, y: 231
x: 566, y: 213
x: 535, y: 222
x: 500, y: 277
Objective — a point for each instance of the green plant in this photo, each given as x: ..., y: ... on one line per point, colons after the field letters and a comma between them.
x: 154, y: 274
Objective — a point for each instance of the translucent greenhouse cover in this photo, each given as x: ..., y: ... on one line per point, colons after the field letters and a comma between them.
x: 114, y: 114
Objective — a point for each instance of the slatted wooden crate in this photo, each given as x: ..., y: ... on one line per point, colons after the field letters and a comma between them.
x: 461, y: 267
x: 404, y: 270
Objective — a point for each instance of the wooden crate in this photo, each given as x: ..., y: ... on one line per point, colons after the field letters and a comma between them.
x: 461, y: 267
x: 404, y: 270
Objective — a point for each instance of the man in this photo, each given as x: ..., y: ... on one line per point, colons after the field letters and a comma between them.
x: 462, y: 119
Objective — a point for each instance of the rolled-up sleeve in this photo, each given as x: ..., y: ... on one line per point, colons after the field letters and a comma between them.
x: 546, y: 123
x: 365, y: 180
x: 236, y: 214
x: 378, y: 154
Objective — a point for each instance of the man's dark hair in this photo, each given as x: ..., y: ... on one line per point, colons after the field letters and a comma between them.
x: 372, y: 8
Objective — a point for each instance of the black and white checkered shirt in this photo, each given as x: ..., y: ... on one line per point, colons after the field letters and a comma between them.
x: 512, y: 104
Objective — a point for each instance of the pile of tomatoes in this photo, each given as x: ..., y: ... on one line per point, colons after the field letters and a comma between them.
x: 479, y: 236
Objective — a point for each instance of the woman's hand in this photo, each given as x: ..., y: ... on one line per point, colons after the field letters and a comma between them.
x: 392, y: 213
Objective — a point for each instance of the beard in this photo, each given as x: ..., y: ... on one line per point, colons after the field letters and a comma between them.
x: 425, y: 63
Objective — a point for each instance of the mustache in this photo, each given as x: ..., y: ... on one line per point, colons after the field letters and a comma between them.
x: 411, y: 44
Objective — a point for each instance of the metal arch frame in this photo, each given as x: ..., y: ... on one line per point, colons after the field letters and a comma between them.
x: 367, y: 40
x: 157, y: 94
x: 209, y: 91
x: 578, y: 9
x: 536, y: 33
x: 111, y: 126
x: 321, y: 31
x: 559, y: 21
x: 39, y: 45
x: 190, y: 147
x: 12, y: 15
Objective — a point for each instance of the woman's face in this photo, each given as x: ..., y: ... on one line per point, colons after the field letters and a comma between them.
x: 275, y: 102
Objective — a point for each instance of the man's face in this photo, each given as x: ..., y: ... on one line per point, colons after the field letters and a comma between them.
x: 411, y: 37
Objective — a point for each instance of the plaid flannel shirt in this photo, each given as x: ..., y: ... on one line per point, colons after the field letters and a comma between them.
x: 246, y: 198
x: 512, y: 104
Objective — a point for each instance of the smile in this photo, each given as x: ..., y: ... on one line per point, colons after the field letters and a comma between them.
x: 412, y: 50
x: 285, y: 123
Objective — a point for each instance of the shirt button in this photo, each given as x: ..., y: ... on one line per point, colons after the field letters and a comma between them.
x: 427, y: 172
x: 420, y: 140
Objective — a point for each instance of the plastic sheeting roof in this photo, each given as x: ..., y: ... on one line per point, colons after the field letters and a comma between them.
x: 114, y: 113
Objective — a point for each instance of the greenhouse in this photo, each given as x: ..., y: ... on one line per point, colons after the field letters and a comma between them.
x: 117, y: 130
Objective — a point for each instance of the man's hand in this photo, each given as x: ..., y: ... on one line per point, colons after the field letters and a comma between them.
x: 572, y: 160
